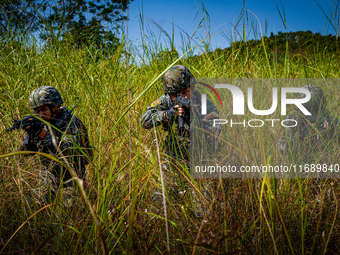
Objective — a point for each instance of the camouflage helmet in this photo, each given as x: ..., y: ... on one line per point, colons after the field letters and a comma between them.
x: 45, y: 95
x: 317, y: 100
x: 176, y: 79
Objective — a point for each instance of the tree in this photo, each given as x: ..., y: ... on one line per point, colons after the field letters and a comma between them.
x: 18, y: 17
x: 83, y: 22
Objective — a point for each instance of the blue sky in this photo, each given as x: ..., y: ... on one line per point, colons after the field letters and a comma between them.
x: 300, y: 15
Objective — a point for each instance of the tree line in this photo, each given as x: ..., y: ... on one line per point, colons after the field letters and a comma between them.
x: 297, y: 42
x: 79, y: 22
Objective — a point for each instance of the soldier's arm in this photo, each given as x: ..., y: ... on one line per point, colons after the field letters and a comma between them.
x: 155, y: 114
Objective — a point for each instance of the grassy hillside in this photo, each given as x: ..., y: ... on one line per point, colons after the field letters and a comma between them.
x: 248, y: 216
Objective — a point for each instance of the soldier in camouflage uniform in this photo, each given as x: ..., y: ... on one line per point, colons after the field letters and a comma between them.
x: 46, y: 102
x: 164, y: 111
x: 311, y: 132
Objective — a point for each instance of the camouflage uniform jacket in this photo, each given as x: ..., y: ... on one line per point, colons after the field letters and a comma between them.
x: 72, y: 130
x: 177, y: 145
x: 309, y: 134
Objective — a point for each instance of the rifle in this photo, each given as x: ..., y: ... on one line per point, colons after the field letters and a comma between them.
x: 182, y: 102
x: 21, y: 124
x: 25, y: 122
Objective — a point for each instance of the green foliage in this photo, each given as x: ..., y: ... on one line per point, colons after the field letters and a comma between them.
x: 248, y: 216
x: 76, y: 22
x: 18, y: 17
x: 298, y: 42
x: 81, y: 22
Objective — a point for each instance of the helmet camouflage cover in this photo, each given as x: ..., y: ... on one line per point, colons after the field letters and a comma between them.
x: 45, y: 95
x: 317, y: 100
x: 176, y: 79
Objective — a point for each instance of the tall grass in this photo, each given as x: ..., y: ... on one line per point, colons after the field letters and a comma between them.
x: 248, y: 216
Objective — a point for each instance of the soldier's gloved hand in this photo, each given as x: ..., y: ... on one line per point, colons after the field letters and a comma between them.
x: 33, y: 127
x: 169, y: 114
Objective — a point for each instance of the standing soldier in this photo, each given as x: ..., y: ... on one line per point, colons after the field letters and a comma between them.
x: 70, y: 139
x: 171, y: 111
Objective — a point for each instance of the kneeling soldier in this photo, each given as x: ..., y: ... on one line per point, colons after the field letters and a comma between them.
x: 69, y: 139
x: 171, y: 111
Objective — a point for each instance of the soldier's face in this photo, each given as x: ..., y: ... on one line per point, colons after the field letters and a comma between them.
x: 44, y: 112
x: 186, y: 93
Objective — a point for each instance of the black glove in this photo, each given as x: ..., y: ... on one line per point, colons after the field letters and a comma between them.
x: 35, y: 126
x: 169, y: 114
